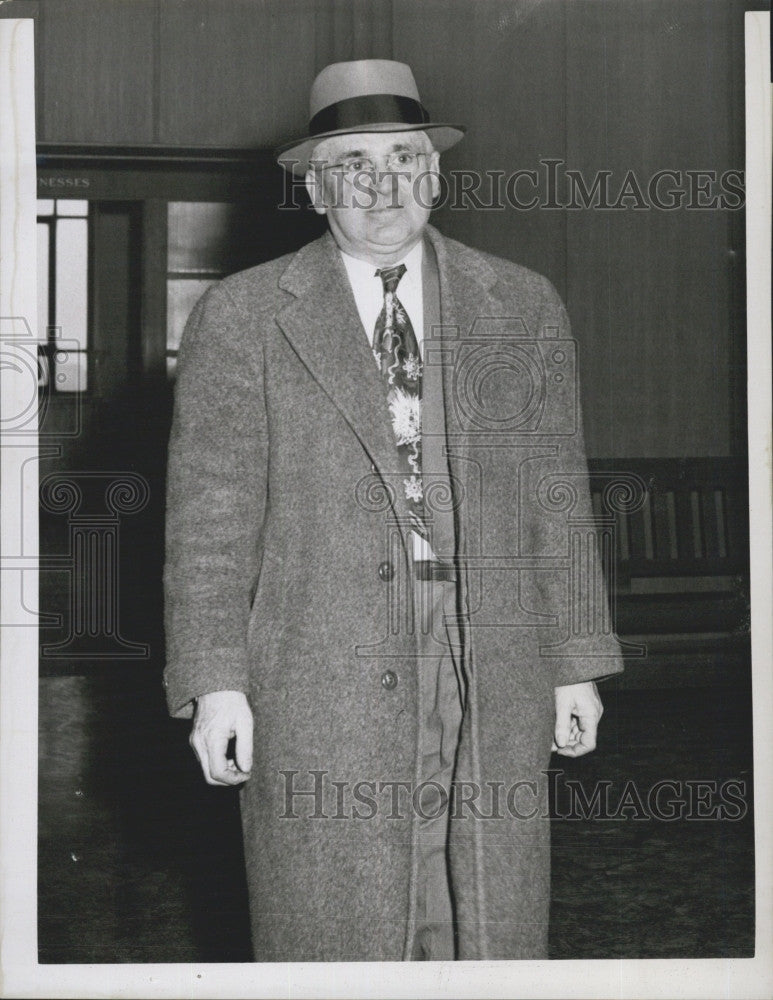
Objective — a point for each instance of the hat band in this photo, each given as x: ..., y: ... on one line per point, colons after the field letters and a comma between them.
x: 368, y: 110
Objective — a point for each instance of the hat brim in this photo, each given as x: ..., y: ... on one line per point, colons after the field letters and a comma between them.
x: 294, y: 156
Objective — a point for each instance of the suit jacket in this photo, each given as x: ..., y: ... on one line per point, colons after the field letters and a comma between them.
x: 287, y: 578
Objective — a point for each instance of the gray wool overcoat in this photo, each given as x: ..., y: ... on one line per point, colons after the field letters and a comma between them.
x: 287, y: 578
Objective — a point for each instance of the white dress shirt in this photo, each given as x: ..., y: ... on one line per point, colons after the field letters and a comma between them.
x: 368, y: 292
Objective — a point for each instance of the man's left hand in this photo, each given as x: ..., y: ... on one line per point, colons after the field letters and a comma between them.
x: 578, y: 710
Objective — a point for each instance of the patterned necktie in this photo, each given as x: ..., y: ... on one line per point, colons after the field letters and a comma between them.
x: 396, y: 351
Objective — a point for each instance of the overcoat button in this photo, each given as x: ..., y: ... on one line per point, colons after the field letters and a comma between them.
x: 389, y: 679
x: 386, y: 571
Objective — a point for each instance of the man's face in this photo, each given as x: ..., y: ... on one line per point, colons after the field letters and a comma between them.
x: 376, y: 189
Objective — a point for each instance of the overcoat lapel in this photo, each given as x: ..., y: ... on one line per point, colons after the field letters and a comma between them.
x: 466, y: 293
x: 324, y: 327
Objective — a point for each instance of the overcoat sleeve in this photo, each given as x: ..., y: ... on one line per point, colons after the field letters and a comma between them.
x: 216, y: 501
x: 596, y: 654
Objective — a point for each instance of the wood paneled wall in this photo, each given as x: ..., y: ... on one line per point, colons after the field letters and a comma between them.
x: 656, y: 297
x: 497, y: 66
x: 652, y: 292
x: 219, y: 73
x: 95, y: 71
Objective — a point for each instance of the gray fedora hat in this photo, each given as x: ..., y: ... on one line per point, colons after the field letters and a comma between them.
x: 367, y: 95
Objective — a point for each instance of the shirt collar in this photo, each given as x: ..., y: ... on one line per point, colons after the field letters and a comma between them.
x: 362, y: 270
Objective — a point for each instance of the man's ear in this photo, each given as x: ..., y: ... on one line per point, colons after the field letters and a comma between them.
x: 434, y: 168
x: 316, y: 193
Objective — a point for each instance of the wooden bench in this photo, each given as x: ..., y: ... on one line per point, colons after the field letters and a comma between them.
x: 682, y: 556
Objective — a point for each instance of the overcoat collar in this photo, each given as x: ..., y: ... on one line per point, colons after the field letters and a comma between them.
x: 324, y: 328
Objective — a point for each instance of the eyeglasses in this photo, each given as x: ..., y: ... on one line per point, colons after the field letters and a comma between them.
x: 403, y: 161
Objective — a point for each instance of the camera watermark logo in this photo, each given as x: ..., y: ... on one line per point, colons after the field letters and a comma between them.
x: 505, y: 469
x: 505, y: 381
x: 20, y: 354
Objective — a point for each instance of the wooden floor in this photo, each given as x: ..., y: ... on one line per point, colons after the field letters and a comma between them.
x: 140, y: 861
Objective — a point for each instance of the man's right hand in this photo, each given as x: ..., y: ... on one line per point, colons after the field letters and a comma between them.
x: 220, y: 716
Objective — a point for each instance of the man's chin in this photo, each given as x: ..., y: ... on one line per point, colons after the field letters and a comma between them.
x: 385, y: 230
x: 385, y: 219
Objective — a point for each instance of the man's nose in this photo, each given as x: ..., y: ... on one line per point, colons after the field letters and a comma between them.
x: 384, y: 180
x: 374, y: 176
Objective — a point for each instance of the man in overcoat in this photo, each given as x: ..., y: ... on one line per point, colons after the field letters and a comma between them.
x: 382, y: 580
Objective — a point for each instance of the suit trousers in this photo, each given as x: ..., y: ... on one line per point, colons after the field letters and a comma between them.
x: 442, y: 690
